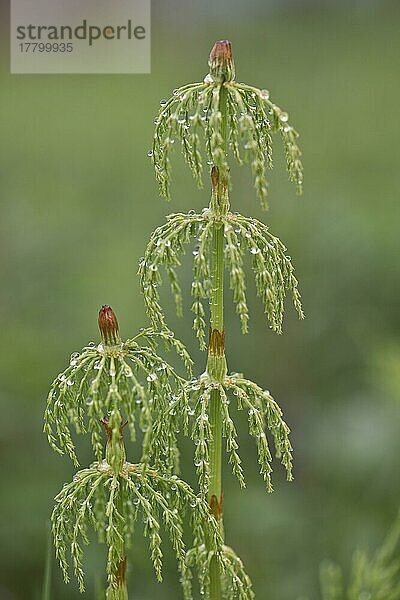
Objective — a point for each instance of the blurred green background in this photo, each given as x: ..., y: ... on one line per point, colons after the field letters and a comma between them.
x: 78, y: 204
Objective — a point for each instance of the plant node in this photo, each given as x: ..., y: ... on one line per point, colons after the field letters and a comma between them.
x: 217, y: 506
x: 216, y: 343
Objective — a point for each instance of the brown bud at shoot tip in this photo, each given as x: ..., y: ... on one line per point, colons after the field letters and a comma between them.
x: 108, y: 325
x: 221, y: 63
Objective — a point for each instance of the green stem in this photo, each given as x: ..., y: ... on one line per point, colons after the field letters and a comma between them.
x: 215, y: 490
x: 46, y: 593
x: 116, y: 456
x: 216, y: 364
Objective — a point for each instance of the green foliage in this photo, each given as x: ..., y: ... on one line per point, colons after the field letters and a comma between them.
x: 262, y: 411
x: 102, y: 380
x: 375, y: 578
x: 193, y: 112
x: 235, y: 581
x: 272, y: 267
x: 112, y: 504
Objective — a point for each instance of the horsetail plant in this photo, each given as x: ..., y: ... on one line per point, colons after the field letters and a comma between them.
x: 126, y: 383
x: 222, y: 118
x: 100, y: 384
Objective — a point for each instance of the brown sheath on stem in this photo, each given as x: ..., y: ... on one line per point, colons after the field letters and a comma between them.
x: 217, y: 506
x: 216, y: 342
x: 120, y: 572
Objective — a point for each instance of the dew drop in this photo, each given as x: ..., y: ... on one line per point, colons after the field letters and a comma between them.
x: 163, y: 102
x: 151, y: 377
x: 128, y: 371
x: 74, y: 357
x: 264, y: 94
x: 150, y: 153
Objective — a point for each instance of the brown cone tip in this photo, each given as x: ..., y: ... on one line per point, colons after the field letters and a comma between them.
x: 108, y: 325
x: 221, y: 61
x: 221, y: 52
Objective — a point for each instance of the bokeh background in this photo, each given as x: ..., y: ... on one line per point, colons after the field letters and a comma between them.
x: 78, y: 204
